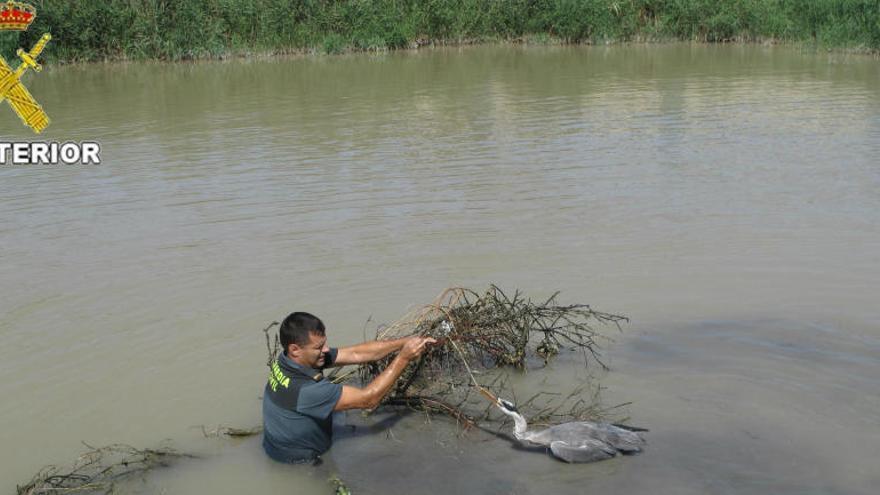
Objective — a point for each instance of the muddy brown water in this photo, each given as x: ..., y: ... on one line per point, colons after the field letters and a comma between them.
x: 726, y: 198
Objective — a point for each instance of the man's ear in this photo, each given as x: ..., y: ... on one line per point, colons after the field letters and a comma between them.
x: 292, y: 350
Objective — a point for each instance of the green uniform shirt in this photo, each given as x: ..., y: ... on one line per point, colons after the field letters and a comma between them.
x: 298, y: 407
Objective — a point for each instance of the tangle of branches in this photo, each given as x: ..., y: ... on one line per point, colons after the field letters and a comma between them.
x: 484, y: 337
x: 99, y: 470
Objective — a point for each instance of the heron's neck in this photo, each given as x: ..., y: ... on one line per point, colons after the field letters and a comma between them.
x: 519, y: 426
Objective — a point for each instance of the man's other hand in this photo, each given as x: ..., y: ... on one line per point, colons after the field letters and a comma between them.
x: 414, y: 347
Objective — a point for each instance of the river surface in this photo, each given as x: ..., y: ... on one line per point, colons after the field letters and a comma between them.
x: 725, y: 198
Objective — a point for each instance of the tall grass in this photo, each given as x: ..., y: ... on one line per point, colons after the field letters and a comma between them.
x: 186, y: 29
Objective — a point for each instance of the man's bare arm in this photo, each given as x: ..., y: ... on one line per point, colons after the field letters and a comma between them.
x: 368, y: 351
x: 370, y: 396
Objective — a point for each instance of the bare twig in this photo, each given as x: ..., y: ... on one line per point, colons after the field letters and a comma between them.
x: 272, y: 349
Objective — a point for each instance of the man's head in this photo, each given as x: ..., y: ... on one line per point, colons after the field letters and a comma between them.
x: 303, y: 339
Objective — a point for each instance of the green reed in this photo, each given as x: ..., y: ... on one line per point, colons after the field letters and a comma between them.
x: 85, y: 30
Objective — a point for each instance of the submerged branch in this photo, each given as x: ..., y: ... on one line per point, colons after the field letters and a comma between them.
x: 482, y: 338
x: 231, y: 431
x: 99, y: 469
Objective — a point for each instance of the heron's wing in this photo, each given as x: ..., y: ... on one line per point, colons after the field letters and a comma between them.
x: 575, y: 432
x: 625, y: 441
x: 587, y: 450
x: 27, y: 108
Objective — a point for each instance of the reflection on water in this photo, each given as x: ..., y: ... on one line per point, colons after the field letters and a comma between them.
x: 676, y: 184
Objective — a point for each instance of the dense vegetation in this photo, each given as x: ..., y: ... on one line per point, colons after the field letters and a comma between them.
x: 183, y: 29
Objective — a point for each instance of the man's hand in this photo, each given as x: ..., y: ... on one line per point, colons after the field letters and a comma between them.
x: 414, y: 347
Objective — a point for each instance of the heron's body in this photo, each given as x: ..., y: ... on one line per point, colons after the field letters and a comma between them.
x: 579, y: 441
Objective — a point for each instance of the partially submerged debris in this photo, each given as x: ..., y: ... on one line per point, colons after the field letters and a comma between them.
x: 231, y: 431
x: 99, y: 469
x: 339, y: 486
x: 487, y: 335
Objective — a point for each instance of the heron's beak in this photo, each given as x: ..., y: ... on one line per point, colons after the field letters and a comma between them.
x: 488, y: 395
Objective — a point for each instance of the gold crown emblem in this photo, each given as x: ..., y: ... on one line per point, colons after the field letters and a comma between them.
x: 16, y: 16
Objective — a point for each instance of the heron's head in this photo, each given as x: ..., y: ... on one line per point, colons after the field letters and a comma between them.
x: 519, y: 422
x: 507, y: 406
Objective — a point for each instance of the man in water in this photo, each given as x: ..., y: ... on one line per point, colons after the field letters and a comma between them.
x: 298, y: 402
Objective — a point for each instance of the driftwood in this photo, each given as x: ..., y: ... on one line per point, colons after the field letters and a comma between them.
x: 482, y: 338
x: 230, y: 431
x: 99, y: 470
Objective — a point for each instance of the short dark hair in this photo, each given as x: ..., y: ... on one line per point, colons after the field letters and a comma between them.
x: 295, y: 329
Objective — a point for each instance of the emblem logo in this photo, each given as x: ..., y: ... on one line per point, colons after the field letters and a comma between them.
x: 15, y: 16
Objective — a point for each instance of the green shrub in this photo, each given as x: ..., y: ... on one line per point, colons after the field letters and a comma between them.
x: 181, y: 29
x: 333, y: 44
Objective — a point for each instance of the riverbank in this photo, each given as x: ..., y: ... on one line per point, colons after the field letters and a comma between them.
x: 203, y: 29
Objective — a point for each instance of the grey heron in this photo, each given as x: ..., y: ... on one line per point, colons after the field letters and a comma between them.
x: 578, y: 441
